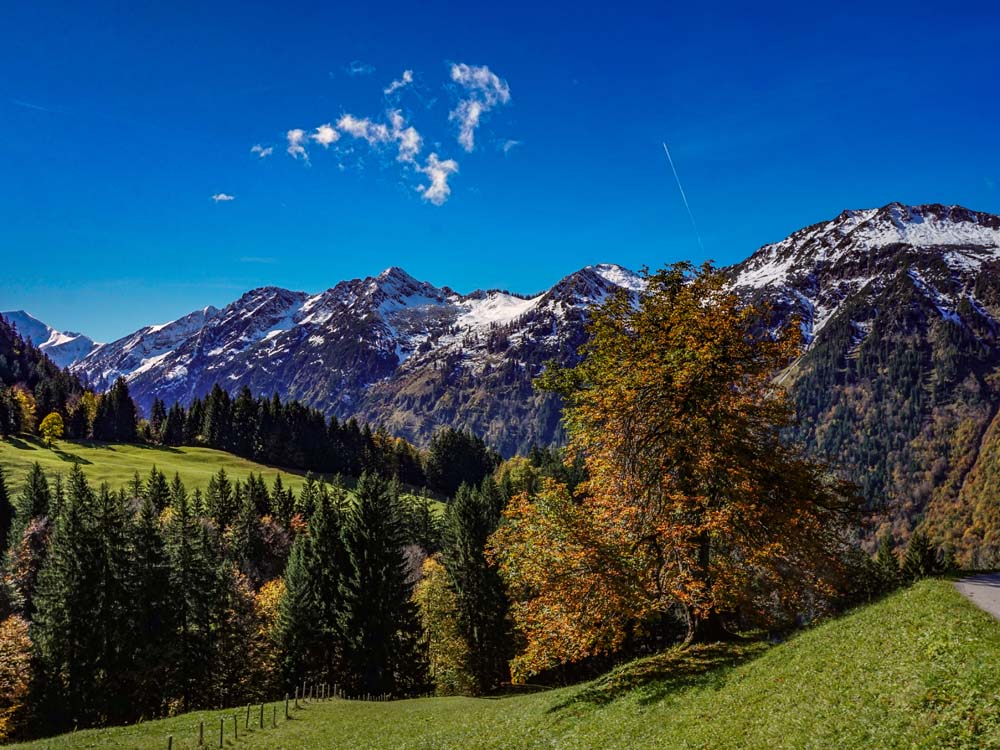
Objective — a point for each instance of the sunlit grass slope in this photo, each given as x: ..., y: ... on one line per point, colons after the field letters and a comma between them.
x: 920, y: 669
x: 115, y: 463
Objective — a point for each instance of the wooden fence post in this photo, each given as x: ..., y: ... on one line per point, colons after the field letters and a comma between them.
x: 201, y: 733
x: 247, y: 724
x: 222, y: 723
x: 261, y: 715
x: 274, y: 716
x: 296, y: 697
x: 286, y: 706
x: 170, y: 742
x: 236, y: 727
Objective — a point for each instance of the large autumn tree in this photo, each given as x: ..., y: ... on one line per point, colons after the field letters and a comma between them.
x: 695, y: 504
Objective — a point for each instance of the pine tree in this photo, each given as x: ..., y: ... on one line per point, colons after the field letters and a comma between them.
x: 157, y: 417
x: 920, y: 560
x: 220, y: 499
x: 157, y: 490
x: 66, y: 628
x: 379, y: 618
x: 469, y: 520
x: 151, y: 613
x: 172, y: 431
x: 282, y: 502
x: 192, y: 598
x: 887, y: 563
x: 299, y: 628
x: 34, y: 501
x: 112, y: 596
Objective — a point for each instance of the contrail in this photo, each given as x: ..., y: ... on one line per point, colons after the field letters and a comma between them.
x: 684, y: 197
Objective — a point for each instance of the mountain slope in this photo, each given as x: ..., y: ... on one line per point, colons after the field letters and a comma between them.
x: 899, y: 309
x: 914, y: 670
x: 390, y: 349
x: 62, y: 347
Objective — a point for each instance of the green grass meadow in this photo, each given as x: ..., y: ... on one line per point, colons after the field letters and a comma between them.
x: 920, y: 669
x: 115, y: 463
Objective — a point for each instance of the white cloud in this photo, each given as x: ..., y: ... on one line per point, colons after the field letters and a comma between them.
x: 358, y: 68
x: 408, y: 141
x: 403, y: 82
x: 295, y: 138
x: 407, y: 138
x: 437, y: 171
x: 362, y: 127
x: 325, y: 135
x: 222, y: 197
x: 484, y: 90
x: 261, y: 151
x: 509, y: 145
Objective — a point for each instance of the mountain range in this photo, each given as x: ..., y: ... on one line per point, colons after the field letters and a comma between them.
x: 898, y: 383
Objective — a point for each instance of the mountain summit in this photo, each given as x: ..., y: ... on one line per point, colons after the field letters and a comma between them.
x: 390, y: 349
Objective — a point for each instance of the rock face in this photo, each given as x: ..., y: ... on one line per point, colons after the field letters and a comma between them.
x: 389, y: 349
x: 62, y: 347
x: 900, y: 379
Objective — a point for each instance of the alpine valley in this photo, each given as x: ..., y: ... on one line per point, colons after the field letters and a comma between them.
x: 898, y: 383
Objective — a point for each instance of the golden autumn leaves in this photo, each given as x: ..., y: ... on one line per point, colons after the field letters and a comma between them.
x: 695, y: 505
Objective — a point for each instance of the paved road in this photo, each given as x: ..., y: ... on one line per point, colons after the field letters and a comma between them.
x: 983, y: 591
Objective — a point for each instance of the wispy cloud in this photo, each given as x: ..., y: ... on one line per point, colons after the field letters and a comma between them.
x: 484, y: 90
x: 509, y: 145
x: 295, y: 138
x: 325, y: 135
x: 437, y: 171
x: 358, y: 68
x: 363, y: 127
x: 402, y: 82
x: 258, y: 259
x: 223, y: 197
x: 262, y: 151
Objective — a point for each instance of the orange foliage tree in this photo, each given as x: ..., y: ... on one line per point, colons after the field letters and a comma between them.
x: 15, y: 673
x: 694, y: 504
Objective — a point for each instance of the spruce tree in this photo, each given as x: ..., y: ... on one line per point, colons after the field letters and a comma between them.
x: 151, y: 611
x: 300, y: 627
x: 282, y: 502
x: 157, y: 490
x: 469, y: 520
x: 34, y: 501
x: 66, y: 626
x: 379, y: 619
x: 113, y: 599
x: 920, y: 560
x: 887, y: 563
x: 192, y: 598
x: 220, y: 501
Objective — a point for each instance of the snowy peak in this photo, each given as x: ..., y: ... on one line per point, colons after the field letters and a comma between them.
x: 62, y: 347
x: 815, y: 271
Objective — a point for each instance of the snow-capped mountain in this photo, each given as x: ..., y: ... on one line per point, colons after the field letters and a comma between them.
x: 900, y: 380
x: 62, y: 347
x: 364, y: 347
x: 817, y: 269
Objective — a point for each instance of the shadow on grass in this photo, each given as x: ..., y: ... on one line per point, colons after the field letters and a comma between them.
x: 22, y: 444
x: 70, y: 457
x: 701, y: 665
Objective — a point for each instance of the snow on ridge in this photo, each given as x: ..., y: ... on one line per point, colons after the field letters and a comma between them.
x: 619, y: 276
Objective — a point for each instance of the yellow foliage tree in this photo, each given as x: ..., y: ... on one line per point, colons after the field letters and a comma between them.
x: 15, y: 673
x: 694, y: 501
x: 447, y: 650
x: 52, y: 428
x: 26, y: 405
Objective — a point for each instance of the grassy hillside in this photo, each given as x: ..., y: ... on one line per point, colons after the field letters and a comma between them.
x: 918, y: 670
x: 113, y: 463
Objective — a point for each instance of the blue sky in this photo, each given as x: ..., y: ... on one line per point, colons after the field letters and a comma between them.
x: 119, y: 122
